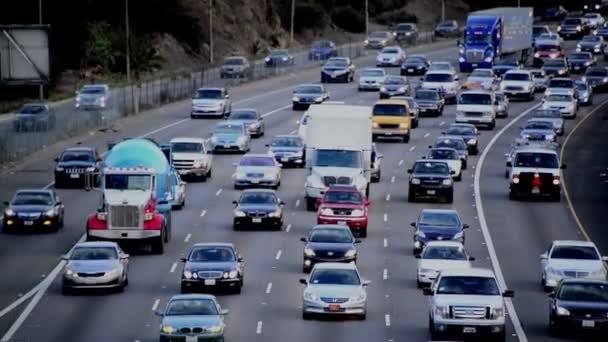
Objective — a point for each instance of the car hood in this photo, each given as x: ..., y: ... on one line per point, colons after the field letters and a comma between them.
x: 210, y: 266
x: 376, y: 40
x: 438, y: 265
x: 257, y: 169
x: 430, y: 175
x: 391, y: 87
x: 343, y: 206
x: 92, y: 266
x: 335, y: 291
x: 30, y: 208
x: 514, y: 83
x: 468, y: 300
x: 436, y: 85
x: 556, y: 104
x: 473, y: 108
x: 335, y: 171
x: 474, y: 79
x: 308, y: 95
x: 575, y: 265
x: 334, y: 68
x: 25, y: 116
x: 207, y: 102
x: 371, y: 79
x: 189, y: 321
x: 587, y: 44
x: 438, y: 230
x: 568, y: 304
x: 266, y: 208
x: 328, y: 246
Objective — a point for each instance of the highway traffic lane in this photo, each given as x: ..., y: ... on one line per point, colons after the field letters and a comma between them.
x: 529, y: 224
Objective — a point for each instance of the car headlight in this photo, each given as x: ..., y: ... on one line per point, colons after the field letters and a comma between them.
x: 241, y: 140
x: 549, y: 137
x: 351, y: 253
x: 599, y: 273
x: 420, y: 234
x: 458, y: 236
x: 357, y: 212
x: 275, y: 214
x: 311, y: 296
x: 488, y: 59
x: 555, y: 271
x: 167, y: 329
x: 562, y: 311
x: 319, y: 99
x: 446, y: 182
x: 50, y: 212
x: 197, y: 164
x: 90, y: 169
x: 187, y: 274
x: 605, y: 79
x: 402, y: 89
x: 442, y: 311
x: 415, y: 181
x: 327, y: 211
x: 254, y: 125
x: 383, y: 89
x: 309, y: 252
x: 498, y: 312
x: 375, y: 125
x: 537, y: 55
x: 233, y: 274
x: 239, y: 213
x: 561, y: 71
x: 284, y: 59
x: 366, y: 41
x: 559, y: 28
x: 472, y: 141
x: 295, y: 99
x: 359, y: 298
x: 267, y: 59
x: 587, y: 63
x: 60, y: 169
x: 402, y: 125
x: 9, y: 212
x: 579, y: 28
x: 102, y: 215
x: 69, y: 272
x: 215, y: 329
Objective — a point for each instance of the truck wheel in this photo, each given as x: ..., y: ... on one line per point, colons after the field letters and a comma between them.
x: 450, y: 196
x: 411, y: 196
x: 492, y: 125
x: 158, y: 245
x: 406, y: 139
x: 367, y: 191
x: 459, y: 177
x: 512, y: 196
x: 435, y: 335
x: 501, y: 337
x: 414, y: 123
x: 556, y: 196
x: 311, y: 204
x: 363, y: 232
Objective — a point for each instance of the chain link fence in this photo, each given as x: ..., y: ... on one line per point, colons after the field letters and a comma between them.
x: 23, y: 135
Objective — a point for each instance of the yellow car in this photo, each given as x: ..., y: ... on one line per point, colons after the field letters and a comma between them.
x: 391, y: 119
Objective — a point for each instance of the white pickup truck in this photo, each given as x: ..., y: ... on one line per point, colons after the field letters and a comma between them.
x: 191, y: 157
x: 477, y: 107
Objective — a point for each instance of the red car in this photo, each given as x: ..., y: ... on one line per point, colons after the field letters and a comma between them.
x: 344, y: 205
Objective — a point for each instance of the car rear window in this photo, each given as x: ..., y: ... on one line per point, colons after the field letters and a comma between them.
x: 256, y: 161
x: 536, y: 159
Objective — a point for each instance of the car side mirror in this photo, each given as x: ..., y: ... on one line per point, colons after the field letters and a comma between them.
x: 552, y: 295
x: 368, y: 203
x: 605, y: 258
x: 226, y: 96
x: 379, y: 156
x: 56, y: 160
x: 471, y: 258
x: 423, y: 157
x: 183, y: 259
x: 6, y: 203
x: 240, y: 259
x: 509, y: 164
x: 465, y: 226
x: 267, y: 145
x: 563, y: 166
x: 508, y: 294
x: 452, y: 172
x: 64, y: 257
x: 430, y: 146
x: 58, y: 204
x: 417, y: 256
x: 235, y: 202
x: 125, y: 256
x: 413, y: 224
x: 303, y: 281
x: 543, y: 256
x: 281, y: 202
x: 358, y: 241
x: 303, y: 239
x: 427, y: 292
x: 421, y: 78
x: 366, y: 282
x: 224, y: 312
x: 76, y: 92
x: 443, y: 133
x: 456, y: 78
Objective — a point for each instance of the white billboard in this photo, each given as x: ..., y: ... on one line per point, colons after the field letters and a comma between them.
x: 24, y: 54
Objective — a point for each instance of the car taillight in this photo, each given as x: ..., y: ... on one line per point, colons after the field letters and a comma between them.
x: 515, y: 179
x: 536, y: 180
x: 555, y: 180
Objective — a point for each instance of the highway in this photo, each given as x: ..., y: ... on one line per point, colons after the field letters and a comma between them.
x: 269, y: 308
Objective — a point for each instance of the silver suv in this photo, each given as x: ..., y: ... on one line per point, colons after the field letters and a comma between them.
x: 467, y: 302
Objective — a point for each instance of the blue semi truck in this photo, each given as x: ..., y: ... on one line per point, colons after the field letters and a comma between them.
x: 493, y: 34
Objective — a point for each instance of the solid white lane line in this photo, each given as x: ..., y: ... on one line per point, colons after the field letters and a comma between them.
x: 188, y: 237
x: 388, y: 197
x: 275, y: 111
x: 155, y: 305
x: 385, y: 217
x: 385, y: 243
x: 203, y: 213
x: 412, y: 148
x: 268, y: 288
x: 217, y: 193
x: 519, y: 330
x: 288, y: 228
x: 426, y: 135
x: 442, y: 123
x: 258, y: 329
x: 278, y: 256
x: 401, y: 161
x: 173, y: 267
x: 387, y: 320
x: 297, y: 203
x: 393, y: 179
x: 385, y: 274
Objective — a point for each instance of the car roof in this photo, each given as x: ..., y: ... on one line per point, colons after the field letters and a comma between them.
x: 192, y: 296
x: 96, y: 244
x: 268, y: 191
x: 335, y: 266
x: 257, y: 155
x: 331, y: 226
x: 477, y: 91
x: 211, y: 88
x: 580, y: 243
x: 391, y: 102
x: 34, y: 190
x: 444, y: 244
x: 443, y: 72
x: 186, y: 139
x: 469, y: 272
x: 439, y: 211
x: 80, y: 149
x: 213, y: 244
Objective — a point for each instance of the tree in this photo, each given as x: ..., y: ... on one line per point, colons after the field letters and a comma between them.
x: 98, y: 48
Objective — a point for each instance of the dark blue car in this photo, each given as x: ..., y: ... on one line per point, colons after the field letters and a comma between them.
x: 437, y: 225
x: 288, y: 150
x: 322, y: 50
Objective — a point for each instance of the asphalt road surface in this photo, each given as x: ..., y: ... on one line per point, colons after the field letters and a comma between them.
x: 269, y: 308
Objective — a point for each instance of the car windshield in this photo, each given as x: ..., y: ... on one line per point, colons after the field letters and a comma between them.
x: 455, y: 143
x: 190, y: 307
x: 547, y: 113
x: 547, y: 36
x: 555, y: 63
x: 334, y: 277
x: 372, y: 73
x: 343, y: 197
x: 405, y: 27
x: 228, y: 129
x: 286, y: 142
x: 538, y: 30
x: 574, y: 252
x: 461, y: 130
x: 94, y: 253
x: 597, y: 73
x: 128, y: 182
x: 234, y: 61
x: 480, y: 39
x: 443, y: 154
x: 321, y: 44
x: 390, y: 51
x: 539, y: 125
x: 258, y: 198
x: 389, y: 110
x: 560, y: 84
x: 415, y: 60
x: 213, y: 94
x: 427, y: 95
x: 330, y: 235
x: 536, y: 159
x: 336, y: 64
x: 33, y: 109
x: 580, y: 56
x: 481, y: 73
x: 379, y: 35
x: 592, y: 39
x: 308, y: 90
x: 438, y: 78
x: 278, y: 53
x: 186, y: 147
x: 548, y: 47
x: 256, y: 161
x: 582, y: 86
x: 559, y: 98
x: 394, y: 80
x: 459, y: 285
x: 431, y: 218
x: 93, y: 90
x: 32, y: 198
x: 75, y: 156
x: 212, y: 254
x: 572, y: 22
x: 243, y: 115
x: 584, y: 292
x: 444, y: 253
x: 338, y: 158
x: 431, y: 168
x: 475, y: 99
x: 448, y: 24
x: 512, y: 76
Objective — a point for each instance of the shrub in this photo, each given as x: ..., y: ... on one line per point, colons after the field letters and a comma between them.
x: 349, y: 19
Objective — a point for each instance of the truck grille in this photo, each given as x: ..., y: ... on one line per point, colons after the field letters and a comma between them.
x: 575, y: 274
x: 255, y: 175
x: 74, y: 170
x: 514, y: 88
x: 475, y: 114
x: 474, y: 56
x: 124, y: 216
x: 469, y: 312
x: 183, y: 164
x: 210, y: 274
x: 331, y: 180
x: 390, y: 126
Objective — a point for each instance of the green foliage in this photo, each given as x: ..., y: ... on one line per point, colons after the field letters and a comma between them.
x: 308, y: 16
x: 349, y: 19
x: 394, y: 17
x: 98, y: 48
x: 144, y: 57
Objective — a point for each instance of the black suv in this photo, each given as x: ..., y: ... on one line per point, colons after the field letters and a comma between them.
x: 212, y: 265
x: 73, y: 164
x: 431, y: 179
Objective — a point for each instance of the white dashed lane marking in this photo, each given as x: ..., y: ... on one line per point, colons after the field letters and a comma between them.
x: 188, y: 237
x: 203, y: 213
x: 412, y: 148
x: 258, y: 329
x: 279, y: 253
x: 155, y: 305
x: 385, y: 274
x: 426, y: 135
x: 268, y: 288
x: 173, y: 267
x: 387, y: 320
x: 218, y: 192
x: 385, y: 243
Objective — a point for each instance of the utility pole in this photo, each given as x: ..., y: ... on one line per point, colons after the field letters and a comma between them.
x: 293, y: 14
x: 211, y: 31
x: 442, y: 11
x: 366, y: 18
x: 128, y: 55
x: 41, y: 87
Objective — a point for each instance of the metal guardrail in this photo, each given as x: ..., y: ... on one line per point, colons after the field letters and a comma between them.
x: 70, y: 121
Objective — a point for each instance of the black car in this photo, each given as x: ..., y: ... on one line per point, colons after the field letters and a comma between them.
x: 431, y: 179
x: 429, y: 101
x: 415, y: 65
x: 394, y: 86
x: 469, y: 134
x: 35, y: 209
x: 554, y: 13
x: 258, y: 208
x: 579, y: 305
x: 406, y: 32
x: 329, y: 243
x: 437, y: 224
x: 580, y: 61
x: 288, y: 150
x: 556, y: 67
x: 572, y: 28
x: 593, y: 44
x: 448, y: 28
x: 278, y: 57
x: 338, y: 69
x: 212, y: 265
x: 602, y: 31
x: 307, y: 94
x: 34, y: 117
x: 500, y: 67
x: 597, y: 77
x: 73, y: 164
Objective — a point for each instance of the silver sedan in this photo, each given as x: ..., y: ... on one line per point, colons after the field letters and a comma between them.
x: 100, y: 265
x: 257, y: 170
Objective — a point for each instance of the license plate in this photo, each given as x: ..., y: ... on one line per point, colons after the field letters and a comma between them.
x: 226, y: 146
x: 209, y: 282
x: 342, y: 223
x: 182, y: 172
x: 577, y: 67
x: 191, y: 338
x: 284, y: 159
x: 535, y: 190
x: 430, y: 192
x: 333, y: 76
x: 255, y: 181
x: 74, y: 175
x: 469, y: 330
x: 389, y: 133
x: 410, y: 70
x: 423, y: 110
x: 588, y: 324
x: 334, y: 307
x: 256, y: 220
x: 474, y: 65
x: 28, y: 223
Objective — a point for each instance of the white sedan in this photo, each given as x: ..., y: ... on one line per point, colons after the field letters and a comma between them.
x: 441, y: 255
x: 450, y: 156
x: 390, y: 56
x: 562, y: 101
x: 257, y: 170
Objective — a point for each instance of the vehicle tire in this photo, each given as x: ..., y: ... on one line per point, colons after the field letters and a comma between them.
x: 531, y: 97
x: 556, y: 197
x: 158, y: 245
x: 237, y: 289
x: 235, y: 227
x: 183, y: 289
x: 66, y: 290
x: 311, y: 204
x: 464, y: 164
x: 362, y: 317
x: 435, y: 335
x: 507, y: 174
x: 306, y: 316
x: 237, y: 187
x: 414, y: 123
x: 459, y: 177
x: 406, y: 139
x: 411, y: 196
x: 492, y: 125
x: 202, y: 178
x: 512, y: 196
x: 501, y: 337
x: 554, y: 330
x: 120, y: 288
x: 450, y: 197
x: 367, y: 191
x: 363, y: 232
x: 61, y: 222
